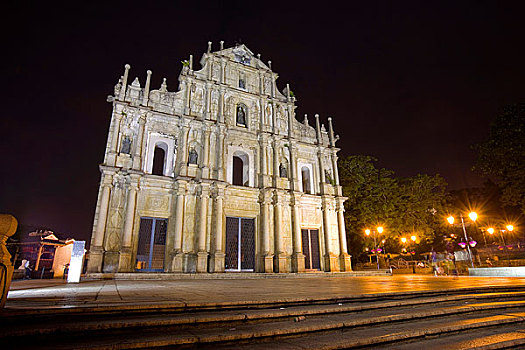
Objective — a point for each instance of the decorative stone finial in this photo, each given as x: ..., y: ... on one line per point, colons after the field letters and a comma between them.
x: 305, y: 121
x: 259, y: 56
x: 146, y: 88
x: 209, y: 46
x: 191, y: 62
x: 163, y: 86
x: 136, y: 82
x: 124, y: 87
x: 270, y: 64
x: 222, y: 44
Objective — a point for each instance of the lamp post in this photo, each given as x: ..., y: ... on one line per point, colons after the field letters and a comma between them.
x: 509, y: 228
x: 378, y: 230
x: 473, y: 216
x: 404, y: 240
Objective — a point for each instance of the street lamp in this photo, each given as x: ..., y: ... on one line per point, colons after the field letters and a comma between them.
x: 413, y: 238
x: 378, y: 230
x: 473, y: 216
x: 509, y: 228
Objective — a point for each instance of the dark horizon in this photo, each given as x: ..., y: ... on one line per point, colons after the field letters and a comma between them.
x: 410, y: 84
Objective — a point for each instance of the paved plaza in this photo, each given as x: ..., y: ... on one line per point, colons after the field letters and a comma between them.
x: 51, y: 294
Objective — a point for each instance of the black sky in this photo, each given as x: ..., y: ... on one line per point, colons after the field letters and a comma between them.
x: 412, y: 83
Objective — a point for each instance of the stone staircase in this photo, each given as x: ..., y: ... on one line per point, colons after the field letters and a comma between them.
x: 484, y: 317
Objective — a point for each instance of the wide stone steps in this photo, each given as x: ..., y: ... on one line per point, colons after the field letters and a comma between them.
x: 343, y: 323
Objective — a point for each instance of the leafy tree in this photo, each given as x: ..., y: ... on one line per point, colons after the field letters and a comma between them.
x: 402, y: 205
x: 502, y: 155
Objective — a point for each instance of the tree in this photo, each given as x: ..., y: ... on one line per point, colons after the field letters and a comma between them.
x: 403, y: 206
x: 502, y: 155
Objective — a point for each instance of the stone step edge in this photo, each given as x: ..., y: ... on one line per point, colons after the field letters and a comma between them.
x: 315, y: 328
x: 507, y: 344
x: 304, y: 330
x: 203, y: 318
x: 227, y: 275
x: 184, y: 306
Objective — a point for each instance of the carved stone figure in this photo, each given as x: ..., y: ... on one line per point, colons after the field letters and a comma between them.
x: 241, y: 115
x: 126, y: 145
x: 193, y: 156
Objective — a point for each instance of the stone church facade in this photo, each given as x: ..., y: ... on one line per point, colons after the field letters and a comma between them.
x: 218, y: 176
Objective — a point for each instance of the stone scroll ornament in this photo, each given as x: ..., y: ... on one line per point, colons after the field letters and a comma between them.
x: 8, y: 225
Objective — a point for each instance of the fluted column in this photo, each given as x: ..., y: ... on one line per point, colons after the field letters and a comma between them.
x: 217, y: 263
x: 202, y: 254
x: 96, y: 253
x: 280, y: 259
x: 330, y: 259
x: 344, y: 258
x: 137, y: 159
x: 266, y: 254
x: 177, y: 253
x: 125, y: 264
x: 298, y: 256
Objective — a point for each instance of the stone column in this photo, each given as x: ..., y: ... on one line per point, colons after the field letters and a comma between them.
x: 96, y: 252
x: 146, y: 89
x: 330, y: 262
x: 298, y: 256
x: 345, y: 262
x: 112, y: 154
x: 217, y: 260
x: 294, y: 176
x: 122, y: 94
x: 280, y: 259
x: 206, y: 154
x: 177, y: 254
x: 137, y: 159
x: 202, y: 254
x: 221, y: 157
x: 125, y: 264
x: 8, y: 225
x: 276, y: 162
x: 266, y: 254
x: 183, y: 152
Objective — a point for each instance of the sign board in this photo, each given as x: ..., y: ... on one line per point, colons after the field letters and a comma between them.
x: 76, y: 262
x: 461, y: 255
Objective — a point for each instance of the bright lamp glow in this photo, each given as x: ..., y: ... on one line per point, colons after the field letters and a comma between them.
x: 473, y: 216
x: 510, y: 227
x: 490, y: 230
x: 450, y: 220
x: 403, y: 239
x: 413, y: 238
x: 367, y: 232
x: 380, y: 229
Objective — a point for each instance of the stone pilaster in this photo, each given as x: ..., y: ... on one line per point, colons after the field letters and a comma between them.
x: 298, y: 256
x: 330, y: 259
x: 125, y: 264
x: 137, y: 159
x: 266, y: 254
x: 96, y: 254
x: 202, y: 254
x: 280, y: 258
x: 345, y: 262
x: 217, y: 260
x: 177, y: 254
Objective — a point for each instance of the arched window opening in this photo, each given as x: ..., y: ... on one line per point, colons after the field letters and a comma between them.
x: 305, y: 174
x: 237, y: 171
x: 240, y: 169
x: 241, y: 115
x: 159, y: 160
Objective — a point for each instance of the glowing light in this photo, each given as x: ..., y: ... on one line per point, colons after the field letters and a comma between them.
x: 403, y: 239
x: 450, y: 220
x: 367, y: 232
x: 380, y: 229
x: 472, y: 243
x: 462, y: 244
x: 413, y: 238
x: 473, y: 216
x: 510, y: 227
x: 490, y: 230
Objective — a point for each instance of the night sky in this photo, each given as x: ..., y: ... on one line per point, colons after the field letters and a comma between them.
x: 414, y: 84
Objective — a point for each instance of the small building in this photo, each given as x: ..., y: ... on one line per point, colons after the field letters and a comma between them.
x: 217, y: 176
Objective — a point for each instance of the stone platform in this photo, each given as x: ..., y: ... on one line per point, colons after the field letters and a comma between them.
x: 232, y: 275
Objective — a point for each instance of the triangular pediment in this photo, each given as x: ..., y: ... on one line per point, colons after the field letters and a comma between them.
x: 242, y: 54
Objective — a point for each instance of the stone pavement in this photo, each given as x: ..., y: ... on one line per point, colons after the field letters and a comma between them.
x: 53, y: 294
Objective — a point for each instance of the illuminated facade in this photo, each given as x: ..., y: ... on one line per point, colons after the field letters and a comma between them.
x: 217, y: 176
